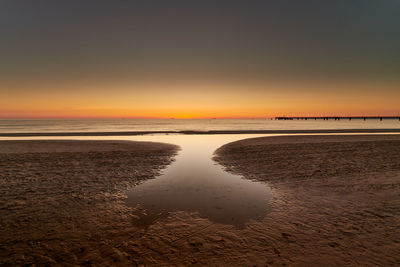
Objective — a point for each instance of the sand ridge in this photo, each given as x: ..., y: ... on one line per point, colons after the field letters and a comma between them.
x: 61, y: 202
x: 337, y: 197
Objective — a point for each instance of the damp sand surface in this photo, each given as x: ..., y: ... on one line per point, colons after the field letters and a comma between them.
x: 331, y: 201
x: 61, y: 202
x: 337, y: 198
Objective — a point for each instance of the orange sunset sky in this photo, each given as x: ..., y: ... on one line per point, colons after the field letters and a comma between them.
x: 203, y: 59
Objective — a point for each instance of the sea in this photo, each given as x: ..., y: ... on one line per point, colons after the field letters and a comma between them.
x: 123, y: 125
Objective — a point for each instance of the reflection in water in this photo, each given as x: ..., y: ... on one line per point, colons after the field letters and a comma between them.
x: 195, y: 183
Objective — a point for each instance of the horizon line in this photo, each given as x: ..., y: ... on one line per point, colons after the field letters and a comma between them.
x: 190, y: 118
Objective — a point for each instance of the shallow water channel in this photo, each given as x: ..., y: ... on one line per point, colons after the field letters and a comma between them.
x: 195, y: 183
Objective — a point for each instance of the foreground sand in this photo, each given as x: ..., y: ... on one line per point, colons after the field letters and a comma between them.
x: 336, y: 201
x: 62, y: 201
x: 337, y: 198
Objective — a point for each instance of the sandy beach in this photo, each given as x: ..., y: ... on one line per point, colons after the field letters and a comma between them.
x: 62, y: 201
x: 335, y: 201
x: 337, y: 197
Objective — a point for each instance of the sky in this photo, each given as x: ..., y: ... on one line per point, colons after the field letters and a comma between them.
x: 198, y: 59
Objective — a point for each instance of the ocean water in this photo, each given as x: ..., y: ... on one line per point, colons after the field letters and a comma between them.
x: 116, y: 125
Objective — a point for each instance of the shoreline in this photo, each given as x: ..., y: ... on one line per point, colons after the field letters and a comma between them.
x: 133, y: 133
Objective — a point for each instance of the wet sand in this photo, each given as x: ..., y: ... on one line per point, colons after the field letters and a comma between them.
x: 335, y: 201
x: 337, y: 198
x: 62, y: 201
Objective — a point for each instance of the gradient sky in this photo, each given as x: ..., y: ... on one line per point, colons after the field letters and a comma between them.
x: 193, y: 59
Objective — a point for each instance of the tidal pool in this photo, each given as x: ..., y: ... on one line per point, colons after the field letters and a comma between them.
x: 195, y: 183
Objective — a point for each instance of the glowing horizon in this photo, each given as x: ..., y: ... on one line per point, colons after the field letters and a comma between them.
x: 199, y: 60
